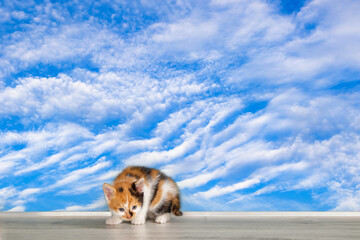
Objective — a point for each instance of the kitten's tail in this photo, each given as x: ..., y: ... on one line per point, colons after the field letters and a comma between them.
x: 175, y: 208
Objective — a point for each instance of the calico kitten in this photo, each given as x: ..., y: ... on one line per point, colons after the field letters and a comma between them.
x: 140, y: 192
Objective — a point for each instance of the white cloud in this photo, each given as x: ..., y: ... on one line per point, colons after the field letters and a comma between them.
x: 7, y: 163
x: 331, y: 45
x: 347, y: 200
x: 28, y: 192
x: 64, y: 42
x: 218, y: 191
x: 19, y: 15
x: 5, y: 194
x: 82, y: 173
x: 199, y: 120
x: 17, y: 209
x: 4, y: 15
x: 201, y: 178
x: 213, y: 33
x: 183, y: 32
x: 38, y: 143
x: 109, y: 97
x: 151, y: 158
x: 91, y: 182
x: 96, y: 205
x: 261, y: 175
x: 323, y: 162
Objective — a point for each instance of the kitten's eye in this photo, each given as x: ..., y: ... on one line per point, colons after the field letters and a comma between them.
x: 121, y: 209
x: 134, y: 207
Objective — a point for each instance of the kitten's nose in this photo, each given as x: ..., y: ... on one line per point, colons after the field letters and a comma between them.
x: 129, y: 215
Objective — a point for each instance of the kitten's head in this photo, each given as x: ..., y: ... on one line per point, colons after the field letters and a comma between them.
x: 126, y: 199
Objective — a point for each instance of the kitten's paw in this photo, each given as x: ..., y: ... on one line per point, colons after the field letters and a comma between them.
x: 113, y: 221
x: 138, y: 221
x: 163, y: 218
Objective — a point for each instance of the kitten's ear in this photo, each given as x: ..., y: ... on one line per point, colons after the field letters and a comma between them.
x: 139, y: 185
x: 109, y: 191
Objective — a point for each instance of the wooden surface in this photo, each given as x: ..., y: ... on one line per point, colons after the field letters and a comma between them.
x: 191, y: 226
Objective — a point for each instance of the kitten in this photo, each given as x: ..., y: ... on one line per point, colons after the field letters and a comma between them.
x: 140, y: 192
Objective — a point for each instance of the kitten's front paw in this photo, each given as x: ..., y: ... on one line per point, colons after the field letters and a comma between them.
x: 138, y: 221
x: 163, y: 218
x: 113, y: 221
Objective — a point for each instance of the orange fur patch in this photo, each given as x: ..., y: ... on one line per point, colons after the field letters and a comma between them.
x: 158, y: 195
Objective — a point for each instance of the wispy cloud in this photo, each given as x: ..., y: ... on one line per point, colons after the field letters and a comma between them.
x: 84, y: 172
x: 98, y: 204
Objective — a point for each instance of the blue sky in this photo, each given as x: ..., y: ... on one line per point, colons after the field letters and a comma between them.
x: 248, y: 105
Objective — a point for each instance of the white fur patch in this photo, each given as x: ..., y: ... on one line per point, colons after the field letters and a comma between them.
x: 140, y: 217
x: 169, y: 187
x: 138, y: 209
x: 163, y: 218
x: 138, y: 221
x: 117, y: 213
x: 114, y: 220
